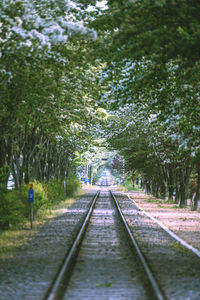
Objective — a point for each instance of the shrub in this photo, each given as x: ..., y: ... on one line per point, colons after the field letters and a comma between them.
x: 13, y: 209
x: 55, y: 191
x: 128, y: 184
x: 14, y: 205
x: 40, y: 197
x: 72, y: 185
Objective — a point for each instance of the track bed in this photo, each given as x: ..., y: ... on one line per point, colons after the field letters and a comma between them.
x: 105, y: 267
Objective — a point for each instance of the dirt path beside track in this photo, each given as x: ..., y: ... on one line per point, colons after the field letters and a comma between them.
x: 182, y: 221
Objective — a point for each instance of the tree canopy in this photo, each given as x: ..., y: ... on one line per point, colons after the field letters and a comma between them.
x: 63, y: 63
x: 151, y: 76
x: 48, y: 83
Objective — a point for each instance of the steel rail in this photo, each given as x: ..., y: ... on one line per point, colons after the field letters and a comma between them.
x: 54, y: 291
x: 158, y: 293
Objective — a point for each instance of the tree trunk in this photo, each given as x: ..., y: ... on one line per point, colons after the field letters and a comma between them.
x: 184, y: 178
x: 26, y: 170
x: 170, y: 184
x: 15, y: 177
x: 147, y: 188
x: 177, y: 195
x: 163, y: 190
x: 133, y: 178
x: 182, y: 190
x: 183, y: 202
x: 197, y: 193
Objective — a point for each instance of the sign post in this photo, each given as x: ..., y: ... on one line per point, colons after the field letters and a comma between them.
x: 31, y: 200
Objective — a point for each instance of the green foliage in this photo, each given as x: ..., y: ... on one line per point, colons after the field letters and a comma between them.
x: 128, y: 184
x: 72, y: 185
x: 153, y: 200
x: 106, y: 284
x: 14, y: 205
x: 50, y: 92
x: 55, y: 191
x: 13, y: 209
x: 181, y: 248
x: 159, y: 29
x: 40, y: 197
x: 3, y: 180
x: 48, y: 89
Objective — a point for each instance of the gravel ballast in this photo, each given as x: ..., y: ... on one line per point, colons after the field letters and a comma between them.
x: 176, y: 268
x: 28, y: 274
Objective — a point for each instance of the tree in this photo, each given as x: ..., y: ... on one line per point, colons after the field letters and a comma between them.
x: 152, y: 65
x: 48, y: 87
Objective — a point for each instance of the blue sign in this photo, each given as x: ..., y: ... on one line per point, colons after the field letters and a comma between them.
x: 30, y: 195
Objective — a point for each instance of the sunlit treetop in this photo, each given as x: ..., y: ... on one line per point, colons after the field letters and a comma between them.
x: 39, y: 26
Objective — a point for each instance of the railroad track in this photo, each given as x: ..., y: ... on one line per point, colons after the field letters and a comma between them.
x: 105, y: 261
x: 105, y: 181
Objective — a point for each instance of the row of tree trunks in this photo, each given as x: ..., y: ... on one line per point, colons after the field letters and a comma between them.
x: 172, y: 183
x: 197, y: 191
x: 33, y: 156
